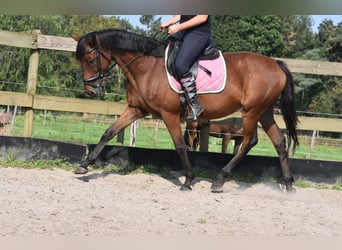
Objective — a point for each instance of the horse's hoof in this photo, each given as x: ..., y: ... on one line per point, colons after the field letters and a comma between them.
x: 216, y: 188
x: 287, y: 189
x: 290, y: 190
x: 81, y: 170
x: 185, y: 188
x: 217, y: 185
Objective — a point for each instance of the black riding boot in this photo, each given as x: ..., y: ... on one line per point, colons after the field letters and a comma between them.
x: 195, y: 108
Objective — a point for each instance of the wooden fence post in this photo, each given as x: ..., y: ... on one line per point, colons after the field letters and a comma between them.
x: 133, y: 136
x: 204, y: 136
x: 312, y: 144
x: 31, y: 83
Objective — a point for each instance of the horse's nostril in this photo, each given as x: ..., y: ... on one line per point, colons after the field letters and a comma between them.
x: 89, y: 93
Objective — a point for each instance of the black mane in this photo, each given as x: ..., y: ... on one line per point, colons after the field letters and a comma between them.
x: 121, y: 39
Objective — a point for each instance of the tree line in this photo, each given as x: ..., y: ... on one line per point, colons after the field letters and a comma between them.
x: 289, y: 36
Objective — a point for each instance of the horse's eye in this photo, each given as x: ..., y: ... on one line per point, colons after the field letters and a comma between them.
x: 91, y: 60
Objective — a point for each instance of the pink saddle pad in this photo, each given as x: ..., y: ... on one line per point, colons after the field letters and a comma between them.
x: 205, y: 83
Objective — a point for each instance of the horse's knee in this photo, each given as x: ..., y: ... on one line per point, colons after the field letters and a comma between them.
x: 250, y: 144
x: 107, y: 135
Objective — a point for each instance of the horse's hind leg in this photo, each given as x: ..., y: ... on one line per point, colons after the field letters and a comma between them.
x: 250, y: 139
x: 279, y: 143
x: 225, y: 140
x: 237, y: 142
x: 125, y: 119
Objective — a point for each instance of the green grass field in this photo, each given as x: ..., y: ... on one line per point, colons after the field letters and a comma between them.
x: 79, y: 129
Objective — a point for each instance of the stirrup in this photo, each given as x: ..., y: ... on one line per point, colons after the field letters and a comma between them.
x: 195, y: 110
x: 192, y: 116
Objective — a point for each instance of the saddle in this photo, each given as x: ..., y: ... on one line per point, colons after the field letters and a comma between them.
x: 210, y: 53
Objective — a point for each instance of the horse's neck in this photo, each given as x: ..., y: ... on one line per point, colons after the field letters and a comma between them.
x: 135, y: 65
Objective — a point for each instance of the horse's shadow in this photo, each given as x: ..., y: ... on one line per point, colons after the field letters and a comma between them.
x: 175, y: 178
x: 97, y: 175
x: 119, y: 160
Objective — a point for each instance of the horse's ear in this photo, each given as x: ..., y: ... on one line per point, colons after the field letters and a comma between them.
x: 76, y: 38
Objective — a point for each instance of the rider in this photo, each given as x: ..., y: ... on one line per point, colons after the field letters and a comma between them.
x: 194, y: 31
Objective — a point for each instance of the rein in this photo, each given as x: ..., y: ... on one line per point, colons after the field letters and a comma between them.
x: 144, y: 52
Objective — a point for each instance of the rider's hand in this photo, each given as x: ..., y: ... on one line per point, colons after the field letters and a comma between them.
x: 173, y: 29
x: 163, y: 27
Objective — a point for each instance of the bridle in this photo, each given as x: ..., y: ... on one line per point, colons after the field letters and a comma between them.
x: 93, y: 81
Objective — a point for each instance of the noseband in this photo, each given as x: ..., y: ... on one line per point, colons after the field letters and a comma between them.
x: 92, y: 81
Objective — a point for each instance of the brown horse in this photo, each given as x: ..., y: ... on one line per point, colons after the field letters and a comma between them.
x: 254, y: 84
x: 228, y: 129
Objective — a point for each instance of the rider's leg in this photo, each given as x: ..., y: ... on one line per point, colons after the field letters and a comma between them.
x: 190, y: 89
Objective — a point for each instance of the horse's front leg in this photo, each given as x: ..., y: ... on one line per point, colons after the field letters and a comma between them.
x: 128, y: 116
x: 189, y: 175
x: 174, y: 127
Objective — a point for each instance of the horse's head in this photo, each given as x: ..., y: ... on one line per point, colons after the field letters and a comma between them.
x: 94, y: 61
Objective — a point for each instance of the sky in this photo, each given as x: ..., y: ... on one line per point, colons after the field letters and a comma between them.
x: 319, y: 18
x: 134, y: 19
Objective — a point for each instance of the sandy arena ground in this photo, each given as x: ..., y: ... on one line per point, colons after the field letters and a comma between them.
x: 55, y: 202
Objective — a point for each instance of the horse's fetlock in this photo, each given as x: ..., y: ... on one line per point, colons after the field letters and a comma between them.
x: 288, y: 180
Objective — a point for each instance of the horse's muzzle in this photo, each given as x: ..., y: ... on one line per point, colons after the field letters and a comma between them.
x: 93, y: 91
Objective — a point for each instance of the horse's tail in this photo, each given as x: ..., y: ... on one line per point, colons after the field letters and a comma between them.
x: 287, y: 106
